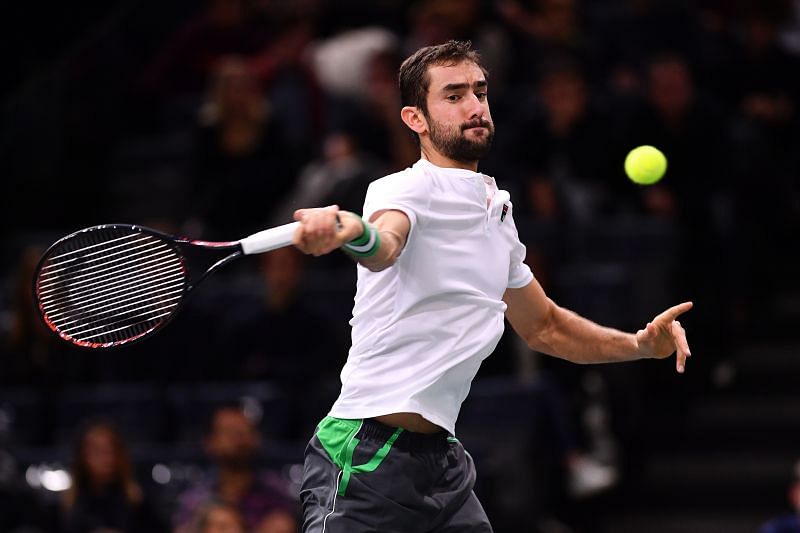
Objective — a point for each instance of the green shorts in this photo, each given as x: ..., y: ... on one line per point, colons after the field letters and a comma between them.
x: 361, y: 476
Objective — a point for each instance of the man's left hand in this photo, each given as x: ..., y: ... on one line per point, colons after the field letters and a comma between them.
x: 664, y: 336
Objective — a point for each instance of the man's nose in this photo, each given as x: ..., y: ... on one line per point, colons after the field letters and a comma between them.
x: 475, y: 107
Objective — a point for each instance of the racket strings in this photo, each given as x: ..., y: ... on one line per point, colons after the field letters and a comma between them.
x: 60, y: 261
x: 100, y: 290
x: 129, y: 270
x: 137, y: 288
x: 124, y: 272
x: 110, y: 285
x: 111, y: 262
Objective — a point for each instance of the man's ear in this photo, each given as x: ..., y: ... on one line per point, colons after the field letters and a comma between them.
x: 414, y: 119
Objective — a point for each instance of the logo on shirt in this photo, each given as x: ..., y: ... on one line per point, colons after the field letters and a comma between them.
x: 504, y: 213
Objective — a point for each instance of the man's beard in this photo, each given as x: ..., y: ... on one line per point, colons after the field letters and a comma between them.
x: 455, y: 144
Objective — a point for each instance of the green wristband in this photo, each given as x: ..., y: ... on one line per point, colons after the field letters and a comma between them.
x: 366, y: 244
x: 362, y: 239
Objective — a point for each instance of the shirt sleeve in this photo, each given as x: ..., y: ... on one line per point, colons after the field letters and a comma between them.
x: 405, y: 192
x: 519, y: 273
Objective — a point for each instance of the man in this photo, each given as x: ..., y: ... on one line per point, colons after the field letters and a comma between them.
x: 232, y: 444
x: 439, y: 265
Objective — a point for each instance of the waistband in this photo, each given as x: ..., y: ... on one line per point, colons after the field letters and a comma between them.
x: 407, y: 440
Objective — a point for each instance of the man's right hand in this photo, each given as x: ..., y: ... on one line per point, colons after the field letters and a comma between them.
x: 325, y: 229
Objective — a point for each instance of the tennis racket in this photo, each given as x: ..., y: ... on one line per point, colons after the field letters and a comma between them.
x: 114, y: 284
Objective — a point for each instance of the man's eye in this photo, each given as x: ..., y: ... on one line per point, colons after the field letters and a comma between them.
x: 453, y: 97
x: 481, y: 96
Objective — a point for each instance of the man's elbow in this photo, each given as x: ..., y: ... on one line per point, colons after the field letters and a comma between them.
x: 536, y: 344
x: 384, y: 259
x: 540, y: 335
x: 379, y: 265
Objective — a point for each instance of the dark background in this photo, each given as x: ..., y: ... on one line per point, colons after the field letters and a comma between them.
x: 104, y: 114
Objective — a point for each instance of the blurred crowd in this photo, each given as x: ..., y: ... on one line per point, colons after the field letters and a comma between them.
x: 217, y: 120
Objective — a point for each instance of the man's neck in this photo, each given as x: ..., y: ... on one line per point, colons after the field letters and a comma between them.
x: 445, y: 162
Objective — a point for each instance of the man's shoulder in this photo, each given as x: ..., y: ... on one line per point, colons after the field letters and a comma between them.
x: 408, y: 178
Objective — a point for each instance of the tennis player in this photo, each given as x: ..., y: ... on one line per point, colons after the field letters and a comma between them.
x: 439, y: 267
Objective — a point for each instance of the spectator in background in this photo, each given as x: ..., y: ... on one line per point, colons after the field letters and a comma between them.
x: 242, y: 165
x: 232, y: 445
x: 340, y: 175
x: 558, y: 444
x: 104, y: 495
x: 357, y: 70
x: 277, y: 523
x: 436, y: 21
x: 766, y: 78
x: 631, y: 31
x: 674, y: 117
x: 218, y: 517
x: 540, y: 29
x: 789, y: 523
x: 266, y: 333
x: 378, y: 128
x: 270, y: 36
x: 565, y: 158
x: 30, y: 353
x: 21, y: 509
x: 568, y: 169
x: 764, y: 87
x: 181, y: 68
x: 283, y: 70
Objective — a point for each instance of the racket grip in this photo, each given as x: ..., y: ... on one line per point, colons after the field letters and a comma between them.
x: 269, y: 239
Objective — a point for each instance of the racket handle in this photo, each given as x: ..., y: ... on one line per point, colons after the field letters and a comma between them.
x: 269, y: 239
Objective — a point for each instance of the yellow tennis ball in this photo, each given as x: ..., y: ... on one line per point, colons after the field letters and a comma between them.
x: 645, y: 165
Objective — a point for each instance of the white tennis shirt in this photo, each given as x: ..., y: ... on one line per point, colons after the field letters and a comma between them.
x: 422, y: 327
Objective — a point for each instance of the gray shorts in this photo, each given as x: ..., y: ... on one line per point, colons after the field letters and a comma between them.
x: 362, y: 476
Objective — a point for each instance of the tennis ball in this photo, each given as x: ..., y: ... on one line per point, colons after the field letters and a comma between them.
x: 645, y: 165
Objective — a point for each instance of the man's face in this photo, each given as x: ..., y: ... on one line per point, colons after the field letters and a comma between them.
x: 460, y: 125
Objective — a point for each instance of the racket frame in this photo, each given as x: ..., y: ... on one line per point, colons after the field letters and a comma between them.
x: 260, y: 242
x: 178, y: 245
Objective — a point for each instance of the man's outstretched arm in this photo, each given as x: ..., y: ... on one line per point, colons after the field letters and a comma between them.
x: 380, y: 240
x: 551, y: 329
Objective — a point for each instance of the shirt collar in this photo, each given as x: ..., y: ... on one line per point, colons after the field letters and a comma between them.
x: 454, y: 172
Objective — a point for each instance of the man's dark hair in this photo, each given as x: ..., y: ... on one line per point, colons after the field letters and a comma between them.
x: 414, y: 78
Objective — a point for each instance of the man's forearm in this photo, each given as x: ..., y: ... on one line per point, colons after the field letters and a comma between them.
x: 387, y: 244
x: 570, y: 336
x: 386, y: 254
